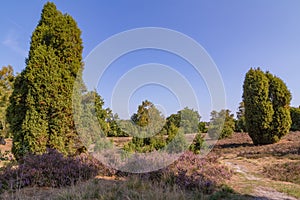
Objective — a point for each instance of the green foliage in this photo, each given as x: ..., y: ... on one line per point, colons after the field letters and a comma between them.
x: 222, y: 124
x: 127, y: 126
x: 187, y: 119
x: 158, y: 142
x: 90, y: 128
x: 280, y: 97
x: 40, y: 114
x: 240, y: 123
x: 295, y: 116
x: 96, y: 122
x: 267, y: 100
x: 178, y: 143
x: 172, y: 122
x: 145, y: 127
x: 107, y: 121
x: 258, y: 107
x: 148, y: 120
x: 184, y: 121
x: 114, y: 129
x: 6, y: 88
x: 229, y: 124
x: 198, y: 143
x: 172, y: 131
x: 202, y: 127
x: 103, y: 144
x: 101, y: 114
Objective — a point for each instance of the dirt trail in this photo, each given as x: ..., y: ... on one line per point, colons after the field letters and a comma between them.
x: 247, y: 179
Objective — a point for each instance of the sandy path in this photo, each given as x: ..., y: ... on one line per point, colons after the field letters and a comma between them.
x: 247, y: 180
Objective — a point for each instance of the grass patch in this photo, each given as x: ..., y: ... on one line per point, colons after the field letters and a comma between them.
x: 290, y: 189
x: 132, y: 188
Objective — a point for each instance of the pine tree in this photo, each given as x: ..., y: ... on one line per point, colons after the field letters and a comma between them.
x: 148, y: 123
x: 148, y: 119
x: 41, y: 113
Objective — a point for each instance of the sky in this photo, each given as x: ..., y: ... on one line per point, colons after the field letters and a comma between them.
x: 236, y: 34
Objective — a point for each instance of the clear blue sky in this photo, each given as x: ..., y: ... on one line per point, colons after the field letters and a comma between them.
x: 237, y: 34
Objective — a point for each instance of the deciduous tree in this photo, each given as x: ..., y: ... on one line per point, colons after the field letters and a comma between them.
x: 221, y: 124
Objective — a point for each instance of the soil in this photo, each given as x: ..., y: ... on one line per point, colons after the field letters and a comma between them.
x: 248, y: 161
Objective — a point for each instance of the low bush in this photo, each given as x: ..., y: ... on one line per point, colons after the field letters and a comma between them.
x: 50, y: 169
x: 192, y: 172
x: 289, y: 172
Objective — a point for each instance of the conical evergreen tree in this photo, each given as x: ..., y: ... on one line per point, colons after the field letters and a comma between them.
x: 267, y: 102
x: 41, y: 112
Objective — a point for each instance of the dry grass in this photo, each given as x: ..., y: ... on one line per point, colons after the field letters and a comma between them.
x: 119, y: 142
x: 248, y: 183
x: 5, y: 152
x: 241, y: 144
x: 129, y: 188
x: 7, y: 146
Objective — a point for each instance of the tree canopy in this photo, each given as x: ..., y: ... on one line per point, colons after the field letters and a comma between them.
x: 222, y: 124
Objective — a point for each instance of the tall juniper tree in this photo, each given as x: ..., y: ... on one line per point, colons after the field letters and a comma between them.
x: 267, y: 101
x: 40, y: 114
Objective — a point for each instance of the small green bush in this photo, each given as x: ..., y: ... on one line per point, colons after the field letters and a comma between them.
x: 198, y: 143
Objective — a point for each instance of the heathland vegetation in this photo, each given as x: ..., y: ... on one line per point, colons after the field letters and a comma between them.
x: 51, y: 145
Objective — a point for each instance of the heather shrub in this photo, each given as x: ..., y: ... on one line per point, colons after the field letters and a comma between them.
x: 50, y: 169
x: 204, y: 174
x: 188, y: 171
x: 282, y: 172
x: 192, y: 172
